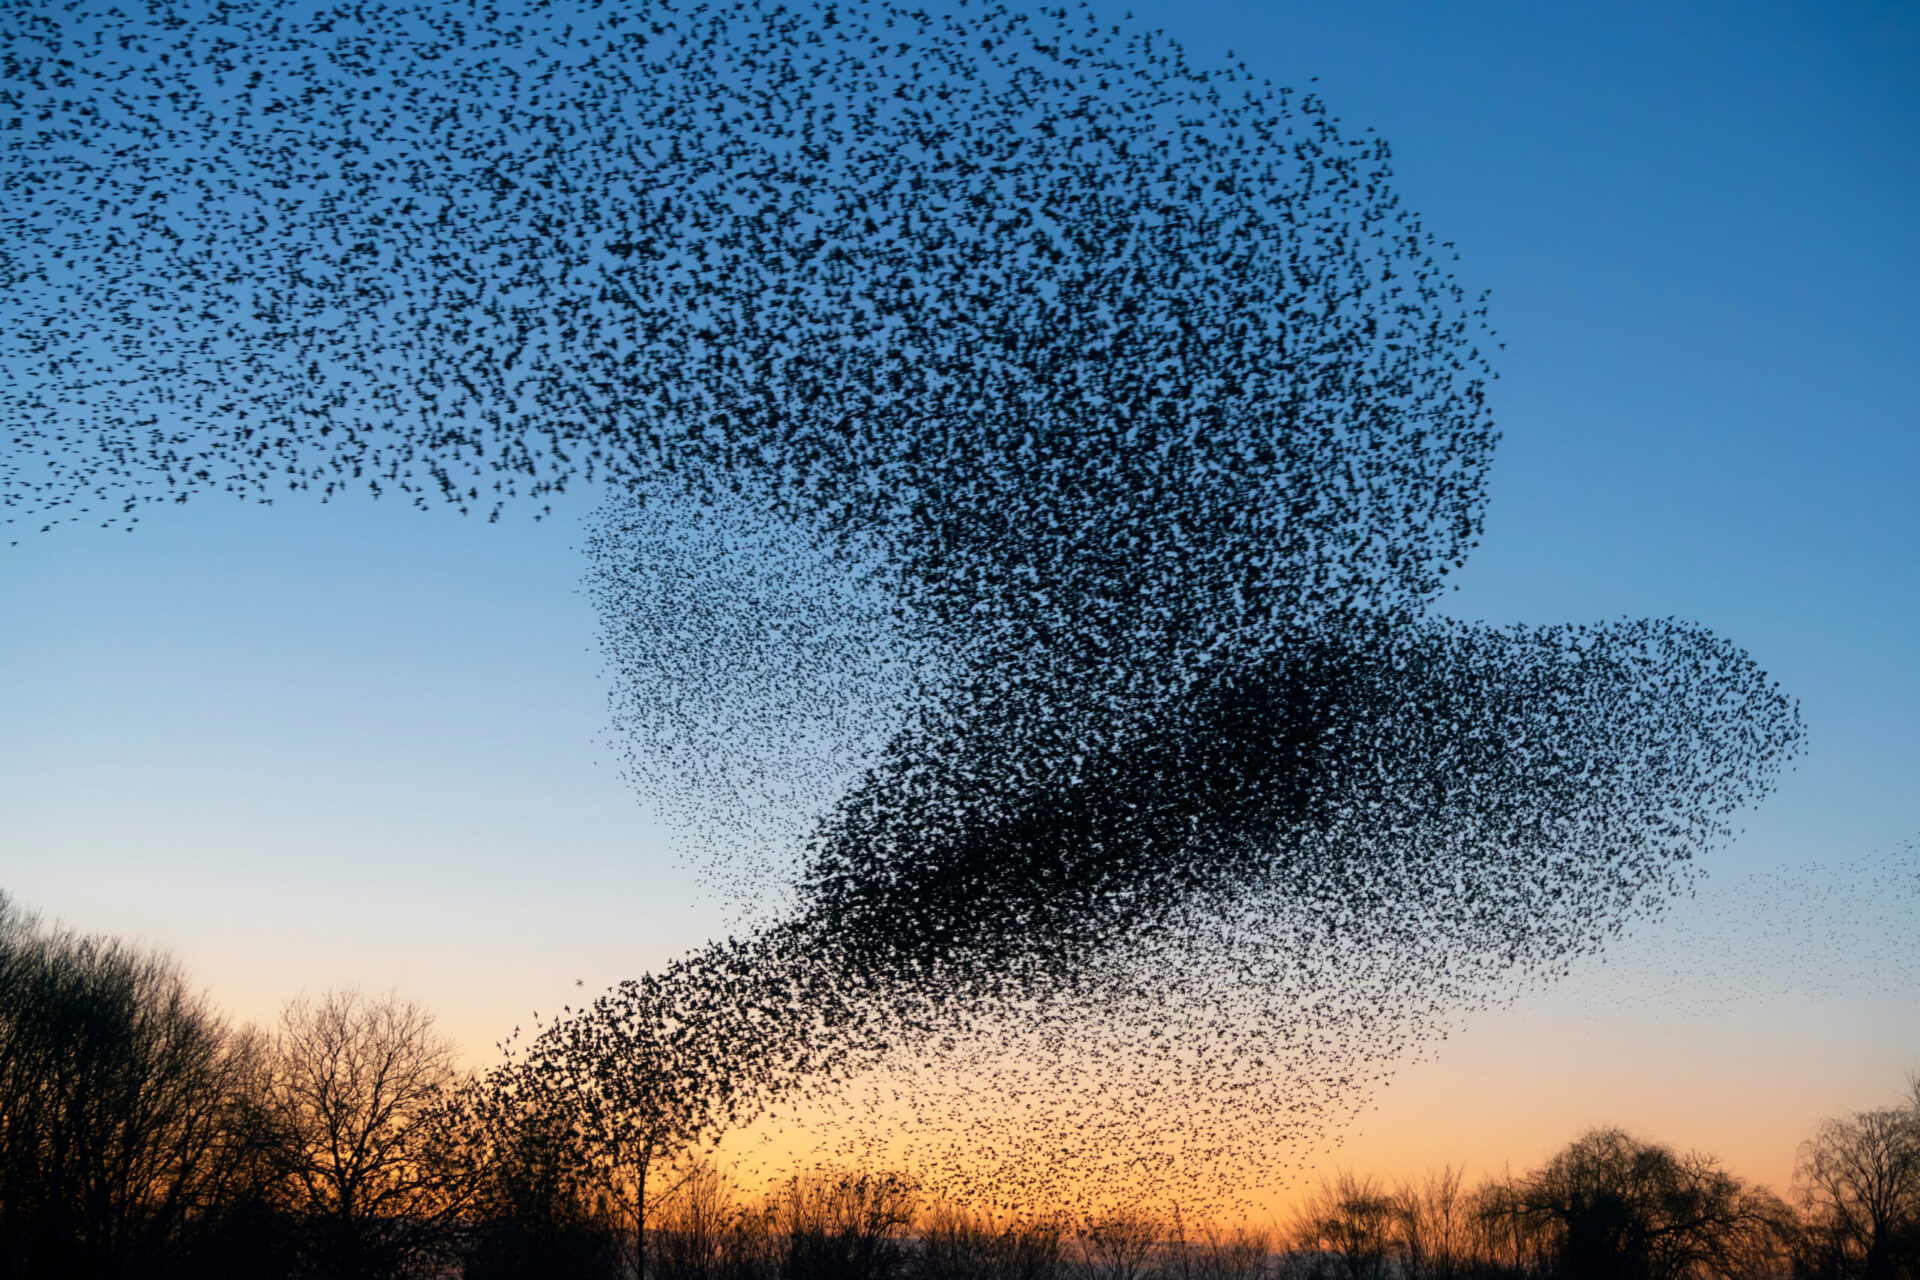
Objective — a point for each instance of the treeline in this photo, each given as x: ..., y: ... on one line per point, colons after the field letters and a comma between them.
x: 142, y: 1136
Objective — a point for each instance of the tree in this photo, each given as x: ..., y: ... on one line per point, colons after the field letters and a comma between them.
x: 962, y: 1244
x: 640, y: 1077
x: 1612, y: 1207
x: 1120, y: 1244
x: 360, y: 1087
x: 1208, y: 1251
x: 704, y: 1232
x: 1347, y: 1224
x: 843, y: 1225
x: 1431, y: 1225
x: 130, y: 1117
x: 1858, y: 1183
x: 537, y: 1208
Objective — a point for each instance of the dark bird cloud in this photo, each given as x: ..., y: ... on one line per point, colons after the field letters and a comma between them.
x: 1035, y: 464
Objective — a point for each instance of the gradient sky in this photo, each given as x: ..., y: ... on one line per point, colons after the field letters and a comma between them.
x: 311, y: 746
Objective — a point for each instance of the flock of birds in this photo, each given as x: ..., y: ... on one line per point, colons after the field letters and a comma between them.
x: 1032, y: 462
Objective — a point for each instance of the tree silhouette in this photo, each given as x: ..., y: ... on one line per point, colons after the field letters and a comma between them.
x: 129, y: 1113
x: 843, y: 1225
x: 640, y: 1078
x: 1347, y: 1227
x: 1432, y: 1225
x: 1858, y: 1183
x: 1612, y: 1207
x: 536, y: 1206
x: 359, y: 1088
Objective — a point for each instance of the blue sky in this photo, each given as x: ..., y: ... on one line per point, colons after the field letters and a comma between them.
x: 315, y: 745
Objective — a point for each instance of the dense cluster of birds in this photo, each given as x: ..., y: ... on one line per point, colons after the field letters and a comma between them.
x: 1033, y: 463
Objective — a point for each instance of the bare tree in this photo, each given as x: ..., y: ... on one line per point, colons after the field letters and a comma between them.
x: 1858, y: 1183
x: 359, y: 1087
x: 1346, y: 1227
x: 1506, y: 1240
x: 1238, y: 1253
x: 704, y: 1231
x: 129, y: 1112
x: 1431, y: 1228
x: 538, y: 1207
x: 641, y: 1077
x: 1120, y: 1244
x: 965, y: 1244
x: 1208, y: 1251
x: 834, y: 1225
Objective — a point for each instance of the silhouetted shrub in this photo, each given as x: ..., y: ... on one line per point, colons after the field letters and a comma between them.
x: 955, y: 1244
x: 842, y: 1226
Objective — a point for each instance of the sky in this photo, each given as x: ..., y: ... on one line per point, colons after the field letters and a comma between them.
x: 311, y: 746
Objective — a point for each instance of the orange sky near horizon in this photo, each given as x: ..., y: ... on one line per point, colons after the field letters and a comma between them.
x: 1745, y: 1080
